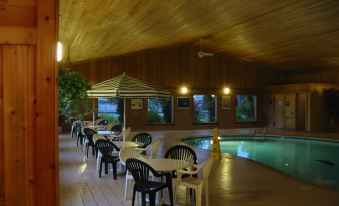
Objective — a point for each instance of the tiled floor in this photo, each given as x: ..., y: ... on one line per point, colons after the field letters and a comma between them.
x: 233, y: 181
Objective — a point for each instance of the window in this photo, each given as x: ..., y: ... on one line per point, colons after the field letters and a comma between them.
x: 111, y: 109
x: 204, y: 108
x: 159, y: 111
x: 246, y: 105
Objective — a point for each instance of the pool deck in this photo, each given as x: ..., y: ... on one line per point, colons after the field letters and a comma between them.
x: 233, y: 181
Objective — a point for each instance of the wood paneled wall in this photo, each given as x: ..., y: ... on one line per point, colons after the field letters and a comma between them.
x: 28, y: 74
x: 177, y: 66
x: 327, y: 76
x: 314, y: 105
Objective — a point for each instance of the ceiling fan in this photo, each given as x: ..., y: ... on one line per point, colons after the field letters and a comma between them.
x: 202, y: 54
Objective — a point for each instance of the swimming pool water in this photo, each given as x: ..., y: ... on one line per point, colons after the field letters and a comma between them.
x: 313, y: 161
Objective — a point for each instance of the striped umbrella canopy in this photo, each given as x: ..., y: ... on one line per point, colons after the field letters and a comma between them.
x: 124, y: 86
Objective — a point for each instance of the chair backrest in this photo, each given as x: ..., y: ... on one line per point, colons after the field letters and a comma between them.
x: 96, y: 137
x: 103, y: 122
x: 144, y: 138
x: 154, y: 146
x: 182, y: 152
x: 117, y: 128
x: 109, y: 126
x: 128, y: 152
x: 72, y: 119
x: 77, y: 126
x: 106, y: 147
x: 97, y: 121
x: 88, y: 132
x: 139, y: 170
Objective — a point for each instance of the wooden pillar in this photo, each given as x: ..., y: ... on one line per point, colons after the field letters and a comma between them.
x: 28, y: 103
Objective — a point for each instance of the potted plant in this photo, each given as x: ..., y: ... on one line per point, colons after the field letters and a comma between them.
x: 73, y: 99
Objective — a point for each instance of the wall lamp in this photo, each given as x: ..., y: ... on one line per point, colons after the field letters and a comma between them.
x: 227, y: 90
x: 183, y: 90
x: 59, y: 51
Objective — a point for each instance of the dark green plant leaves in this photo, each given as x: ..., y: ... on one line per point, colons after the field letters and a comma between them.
x: 72, y: 92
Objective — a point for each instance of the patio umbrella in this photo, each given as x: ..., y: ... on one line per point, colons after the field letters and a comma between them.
x: 124, y: 86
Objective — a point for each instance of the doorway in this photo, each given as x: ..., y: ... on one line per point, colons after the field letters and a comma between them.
x: 301, y: 108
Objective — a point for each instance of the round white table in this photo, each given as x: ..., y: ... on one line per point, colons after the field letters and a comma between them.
x: 105, y: 132
x: 119, y: 144
x: 164, y: 165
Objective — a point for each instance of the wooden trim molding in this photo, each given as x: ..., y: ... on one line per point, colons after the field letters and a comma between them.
x: 18, y: 35
x: 28, y: 107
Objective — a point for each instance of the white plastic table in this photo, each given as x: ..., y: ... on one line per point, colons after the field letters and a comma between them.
x: 105, y: 132
x: 165, y: 165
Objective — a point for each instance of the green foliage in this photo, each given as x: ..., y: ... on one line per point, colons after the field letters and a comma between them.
x: 204, y: 112
x: 154, y: 117
x: 111, y: 119
x: 159, y: 111
x: 245, y: 108
x: 72, y: 92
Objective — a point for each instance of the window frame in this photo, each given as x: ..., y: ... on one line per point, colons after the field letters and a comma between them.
x: 215, y: 106
x: 255, y: 111
x: 172, y: 114
x: 105, y: 113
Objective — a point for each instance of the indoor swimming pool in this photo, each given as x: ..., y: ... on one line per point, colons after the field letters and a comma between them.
x: 309, y: 159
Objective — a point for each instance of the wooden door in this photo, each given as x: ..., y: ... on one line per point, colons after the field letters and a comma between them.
x: 279, y: 122
x: 269, y: 110
x: 301, y: 111
x: 289, y: 106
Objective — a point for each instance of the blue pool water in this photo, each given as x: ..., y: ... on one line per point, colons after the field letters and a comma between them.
x: 311, y: 160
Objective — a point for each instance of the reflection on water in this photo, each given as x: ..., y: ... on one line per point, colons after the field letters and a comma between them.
x: 241, y: 152
x: 309, y: 160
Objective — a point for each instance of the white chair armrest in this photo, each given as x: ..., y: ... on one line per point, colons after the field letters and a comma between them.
x: 189, y: 171
x: 140, y: 149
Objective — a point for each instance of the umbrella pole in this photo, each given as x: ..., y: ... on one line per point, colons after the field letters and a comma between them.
x: 124, y: 134
x: 93, y: 115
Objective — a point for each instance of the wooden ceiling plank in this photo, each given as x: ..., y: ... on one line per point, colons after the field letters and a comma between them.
x: 266, y: 30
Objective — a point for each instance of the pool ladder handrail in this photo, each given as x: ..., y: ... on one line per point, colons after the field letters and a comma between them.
x: 263, y: 131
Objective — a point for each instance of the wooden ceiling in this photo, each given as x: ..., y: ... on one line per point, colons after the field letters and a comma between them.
x: 287, y: 34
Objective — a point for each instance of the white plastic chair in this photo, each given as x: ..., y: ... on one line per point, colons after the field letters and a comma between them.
x: 109, y: 126
x: 153, y: 148
x: 124, y: 154
x: 75, y: 124
x: 95, y: 138
x: 122, y: 136
x: 195, y: 183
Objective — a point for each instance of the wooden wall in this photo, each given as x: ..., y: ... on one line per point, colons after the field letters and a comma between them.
x: 177, y: 66
x: 320, y: 76
x: 28, y: 143
x: 314, y: 106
